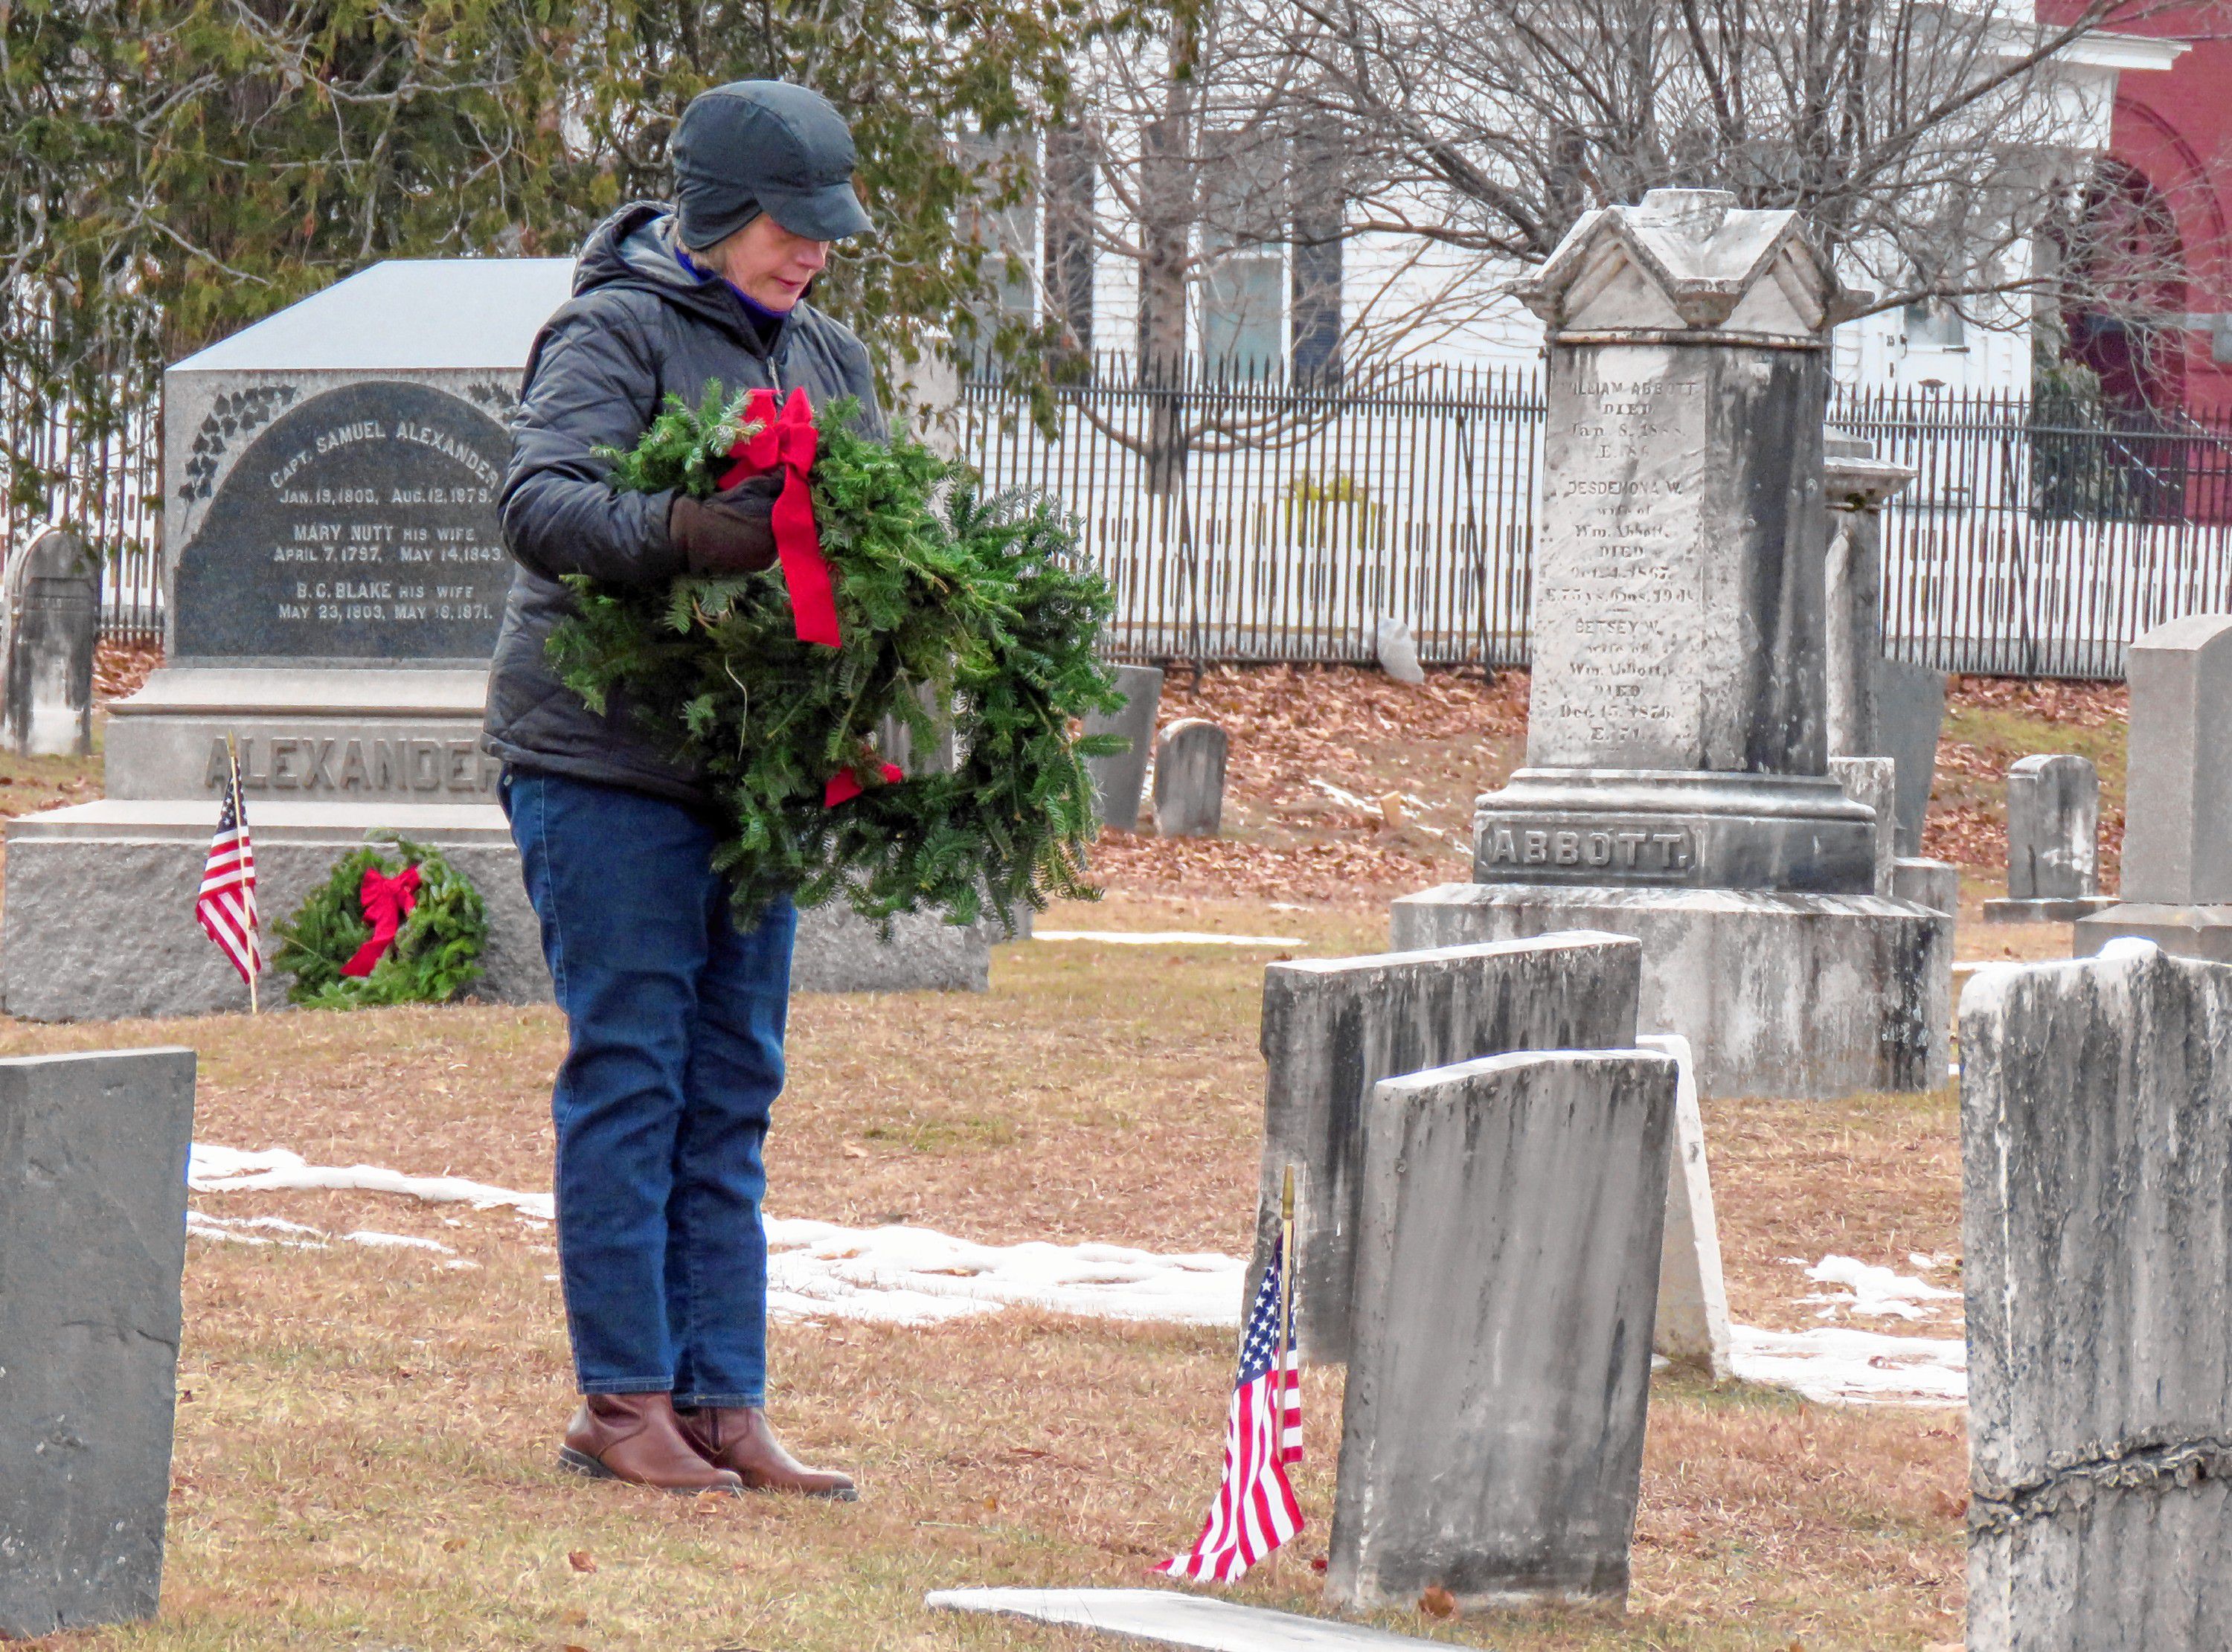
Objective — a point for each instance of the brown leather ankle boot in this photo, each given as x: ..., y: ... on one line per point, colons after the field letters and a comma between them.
x: 738, y: 1438
x: 634, y: 1437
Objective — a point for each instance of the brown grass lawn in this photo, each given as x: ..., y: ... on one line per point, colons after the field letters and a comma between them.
x: 366, y: 1437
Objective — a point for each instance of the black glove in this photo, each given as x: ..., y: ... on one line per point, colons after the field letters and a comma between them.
x: 731, y: 533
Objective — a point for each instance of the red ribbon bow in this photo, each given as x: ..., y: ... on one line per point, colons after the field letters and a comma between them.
x: 845, y: 786
x: 387, y: 901
x: 787, y: 441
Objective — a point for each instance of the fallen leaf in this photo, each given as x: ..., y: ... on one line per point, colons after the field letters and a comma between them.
x: 581, y: 1560
x: 1437, y: 1601
x: 1952, y: 1506
x: 1317, y: 1563
x: 853, y: 1152
x: 991, y: 1506
x: 573, y: 1617
x: 451, y: 1545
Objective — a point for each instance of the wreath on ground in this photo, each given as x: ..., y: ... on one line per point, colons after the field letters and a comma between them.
x: 395, y: 923
x: 908, y: 601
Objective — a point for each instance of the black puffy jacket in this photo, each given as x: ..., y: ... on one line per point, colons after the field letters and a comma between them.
x: 638, y: 327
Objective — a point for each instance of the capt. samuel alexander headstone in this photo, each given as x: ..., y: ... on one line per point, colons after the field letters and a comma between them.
x: 359, y: 525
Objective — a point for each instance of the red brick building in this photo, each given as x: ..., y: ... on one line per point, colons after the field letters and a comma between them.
x: 2166, y: 190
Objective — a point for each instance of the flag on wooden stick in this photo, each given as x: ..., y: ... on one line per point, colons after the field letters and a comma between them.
x: 226, y: 905
x: 1255, y: 1509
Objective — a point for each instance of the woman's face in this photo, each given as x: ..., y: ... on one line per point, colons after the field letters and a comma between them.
x: 771, y: 265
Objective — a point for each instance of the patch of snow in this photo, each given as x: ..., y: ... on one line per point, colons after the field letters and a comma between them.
x: 227, y: 1169
x: 909, y: 1275
x: 228, y: 1230
x: 1875, y: 1292
x: 1837, y: 1365
x: 1346, y: 798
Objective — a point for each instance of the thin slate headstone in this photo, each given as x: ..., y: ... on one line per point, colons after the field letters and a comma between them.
x: 1910, y: 712
x: 92, y: 1237
x: 1506, y: 1278
x: 1334, y: 1027
x: 2096, y: 1134
x: 1190, y: 779
x: 53, y: 622
x: 1692, y: 1326
x: 1120, y: 781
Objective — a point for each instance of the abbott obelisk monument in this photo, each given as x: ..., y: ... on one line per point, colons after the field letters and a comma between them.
x: 1676, y: 786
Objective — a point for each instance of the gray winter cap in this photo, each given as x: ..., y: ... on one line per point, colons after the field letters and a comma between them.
x: 754, y: 146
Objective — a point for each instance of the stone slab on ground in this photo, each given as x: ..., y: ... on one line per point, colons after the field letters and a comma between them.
x: 92, y: 1243
x: 1334, y: 1027
x: 1506, y: 1276
x: 2186, y: 931
x: 1793, y: 996
x: 2064, y: 910
x: 1119, y: 782
x: 77, y: 941
x: 2096, y: 1129
x: 1692, y: 1324
x: 1176, y: 1619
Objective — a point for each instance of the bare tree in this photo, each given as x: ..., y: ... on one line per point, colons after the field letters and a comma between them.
x: 1933, y: 145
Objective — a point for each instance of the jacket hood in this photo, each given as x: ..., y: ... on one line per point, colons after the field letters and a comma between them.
x: 634, y: 248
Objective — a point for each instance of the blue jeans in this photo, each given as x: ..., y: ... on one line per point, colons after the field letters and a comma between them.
x: 674, y: 1055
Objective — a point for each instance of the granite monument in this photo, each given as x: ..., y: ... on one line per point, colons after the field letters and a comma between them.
x: 2054, y: 842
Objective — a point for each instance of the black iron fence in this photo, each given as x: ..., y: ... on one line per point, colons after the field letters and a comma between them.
x: 1270, y: 519
x: 101, y: 478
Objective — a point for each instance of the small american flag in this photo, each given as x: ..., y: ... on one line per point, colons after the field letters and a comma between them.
x: 1255, y: 1510
x: 226, y: 905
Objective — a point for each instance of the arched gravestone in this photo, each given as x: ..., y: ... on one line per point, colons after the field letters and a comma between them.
x: 361, y: 525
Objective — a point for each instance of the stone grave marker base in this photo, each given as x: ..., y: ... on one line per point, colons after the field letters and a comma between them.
x: 2183, y: 932
x: 2066, y: 909
x: 98, y: 924
x: 1797, y: 997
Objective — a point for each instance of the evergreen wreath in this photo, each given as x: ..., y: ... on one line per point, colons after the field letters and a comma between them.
x: 435, y: 954
x: 945, y: 598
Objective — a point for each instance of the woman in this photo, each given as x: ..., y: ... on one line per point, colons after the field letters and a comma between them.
x: 675, y: 1013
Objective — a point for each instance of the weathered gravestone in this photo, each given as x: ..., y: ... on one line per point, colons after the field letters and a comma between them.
x: 93, y: 1239
x: 1119, y: 782
x: 2054, y: 842
x: 1190, y: 779
x: 2096, y: 1146
x: 53, y: 596
x: 1874, y: 782
x: 1691, y: 1328
x: 1507, y: 1274
x: 1334, y: 1027
x: 1678, y: 738
x: 2176, y: 887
